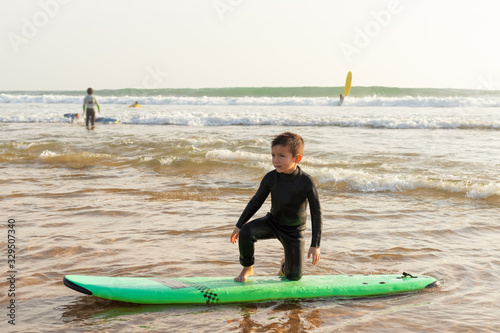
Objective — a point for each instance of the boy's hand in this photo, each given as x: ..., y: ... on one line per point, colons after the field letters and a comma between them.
x: 315, y: 253
x: 235, y: 235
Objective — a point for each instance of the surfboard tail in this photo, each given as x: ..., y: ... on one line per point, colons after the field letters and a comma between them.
x: 76, y: 287
x: 434, y: 284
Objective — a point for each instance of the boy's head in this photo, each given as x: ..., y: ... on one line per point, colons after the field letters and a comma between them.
x: 293, y: 141
x: 287, y: 150
x: 90, y: 91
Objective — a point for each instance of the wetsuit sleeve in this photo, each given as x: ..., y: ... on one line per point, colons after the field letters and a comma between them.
x: 316, y: 216
x: 255, y: 203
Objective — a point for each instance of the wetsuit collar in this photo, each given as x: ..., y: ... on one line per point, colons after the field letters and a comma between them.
x: 291, y: 175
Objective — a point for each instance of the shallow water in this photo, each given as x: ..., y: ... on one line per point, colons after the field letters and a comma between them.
x: 161, y: 200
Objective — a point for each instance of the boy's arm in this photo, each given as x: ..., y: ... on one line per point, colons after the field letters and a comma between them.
x: 317, y: 224
x: 316, y: 217
x: 255, y: 203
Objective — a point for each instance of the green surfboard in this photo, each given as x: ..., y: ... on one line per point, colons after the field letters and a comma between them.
x: 210, y: 290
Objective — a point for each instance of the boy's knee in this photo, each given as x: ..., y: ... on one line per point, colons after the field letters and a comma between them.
x: 245, y: 232
x: 296, y: 276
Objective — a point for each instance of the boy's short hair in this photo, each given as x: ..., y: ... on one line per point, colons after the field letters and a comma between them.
x: 90, y: 91
x: 291, y: 140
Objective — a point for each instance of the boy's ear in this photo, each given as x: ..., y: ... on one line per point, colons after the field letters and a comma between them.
x: 298, y: 158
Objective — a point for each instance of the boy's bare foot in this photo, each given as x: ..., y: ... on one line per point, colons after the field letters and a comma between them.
x: 246, y: 272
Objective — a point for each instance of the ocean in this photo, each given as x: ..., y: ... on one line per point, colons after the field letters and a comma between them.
x: 408, y: 181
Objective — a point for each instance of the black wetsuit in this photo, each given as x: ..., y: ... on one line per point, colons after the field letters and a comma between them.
x: 341, y: 100
x: 286, y: 221
x: 90, y: 117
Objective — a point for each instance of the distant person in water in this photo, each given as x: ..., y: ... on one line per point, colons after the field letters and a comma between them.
x: 73, y: 116
x: 341, y: 100
x: 135, y: 105
x: 89, y: 103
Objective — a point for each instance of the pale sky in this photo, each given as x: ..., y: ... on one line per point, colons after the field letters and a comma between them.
x: 114, y: 44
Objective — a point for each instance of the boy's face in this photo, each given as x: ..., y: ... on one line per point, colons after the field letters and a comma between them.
x: 283, y: 160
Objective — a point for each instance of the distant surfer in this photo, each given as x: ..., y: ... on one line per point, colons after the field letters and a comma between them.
x: 341, y: 100
x: 291, y: 190
x: 72, y: 116
x: 89, y: 103
x: 135, y: 105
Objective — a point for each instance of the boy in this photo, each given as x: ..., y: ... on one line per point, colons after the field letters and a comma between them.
x: 290, y: 189
x: 88, y: 106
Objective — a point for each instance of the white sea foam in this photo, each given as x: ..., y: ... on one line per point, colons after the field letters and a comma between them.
x: 363, y: 181
x: 23, y: 145
x: 227, y: 155
x: 169, y: 160
x: 48, y: 154
x: 194, y: 116
x: 366, y: 101
x: 480, y: 191
x: 383, y: 120
x: 353, y: 176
